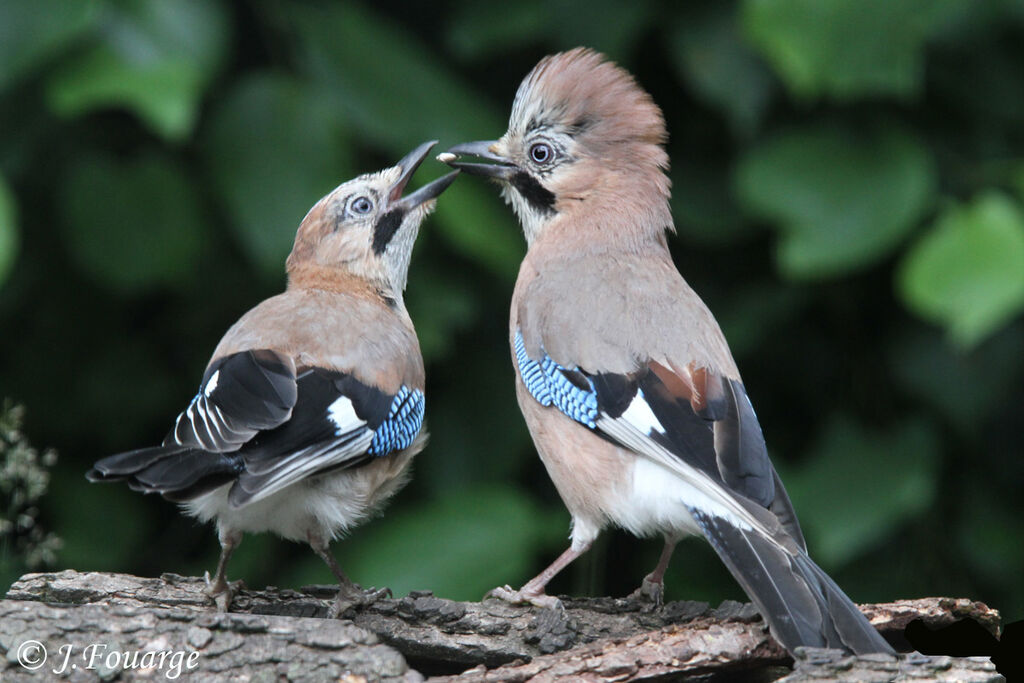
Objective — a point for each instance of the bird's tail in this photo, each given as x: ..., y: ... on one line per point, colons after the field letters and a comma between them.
x: 176, y: 472
x: 800, y: 602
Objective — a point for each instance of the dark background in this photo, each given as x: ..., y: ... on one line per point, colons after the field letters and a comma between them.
x: 848, y: 184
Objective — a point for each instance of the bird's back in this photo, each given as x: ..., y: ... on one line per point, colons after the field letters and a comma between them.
x: 625, y: 309
x: 356, y: 332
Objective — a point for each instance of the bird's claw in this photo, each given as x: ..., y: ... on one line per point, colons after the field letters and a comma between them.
x: 356, y: 598
x: 222, y: 592
x: 650, y: 594
x: 522, y: 597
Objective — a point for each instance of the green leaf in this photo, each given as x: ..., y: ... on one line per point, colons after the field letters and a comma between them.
x: 273, y: 149
x: 154, y: 58
x: 457, y: 546
x: 709, y: 53
x: 132, y: 225
x: 31, y: 33
x: 844, y: 48
x: 860, y: 485
x: 967, y: 273
x: 841, y: 199
x: 387, y: 83
x: 8, y: 231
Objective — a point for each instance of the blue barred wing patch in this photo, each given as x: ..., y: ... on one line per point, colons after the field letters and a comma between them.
x: 546, y: 381
x: 405, y: 417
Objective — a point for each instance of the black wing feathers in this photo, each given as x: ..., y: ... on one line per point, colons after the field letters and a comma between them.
x: 742, y: 454
x: 291, y: 426
x: 257, y: 387
x: 686, y: 434
x: 370, y: 403
x: 614, y: 392
x: 240, y: 395
x: 720, y: 436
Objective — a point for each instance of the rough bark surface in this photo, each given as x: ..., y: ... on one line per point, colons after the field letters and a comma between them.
x: 276, y: 634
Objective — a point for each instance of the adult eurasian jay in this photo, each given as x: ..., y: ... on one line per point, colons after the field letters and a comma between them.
x: 626, y: 382
x: 311, y: 408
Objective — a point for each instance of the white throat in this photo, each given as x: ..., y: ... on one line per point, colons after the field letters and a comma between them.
x: 530, y: 218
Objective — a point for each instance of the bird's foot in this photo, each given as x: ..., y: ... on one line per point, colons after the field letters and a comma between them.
x: 525, y: 597
x: 221, y: 591
x: 650, y: 594
x: 355, y: 597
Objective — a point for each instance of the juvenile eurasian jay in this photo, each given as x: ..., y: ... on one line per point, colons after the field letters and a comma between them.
x: 626, y: 382
x: 311, y: 408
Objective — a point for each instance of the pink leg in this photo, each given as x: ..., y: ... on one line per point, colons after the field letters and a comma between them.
x: 653, y: 587
x: 349, y: 594
x: 533, y: 591
x: 219, y: 589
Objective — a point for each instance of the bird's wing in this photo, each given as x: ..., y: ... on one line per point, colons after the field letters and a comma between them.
x: 241, y: 394
x: 338, y: 421
x: 692, y: 420
x: 261, y: 423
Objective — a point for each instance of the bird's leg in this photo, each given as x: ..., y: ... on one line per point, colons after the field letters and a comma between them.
x: 533, y: 592
x: 349, y: 594
x: 219, y: 589
x: 653, y: 587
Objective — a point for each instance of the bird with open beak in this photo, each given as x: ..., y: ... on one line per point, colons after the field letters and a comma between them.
x: 625, y: 380
x: 311, y: 408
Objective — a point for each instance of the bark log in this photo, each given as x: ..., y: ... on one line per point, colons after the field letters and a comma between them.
x: 274, y: 634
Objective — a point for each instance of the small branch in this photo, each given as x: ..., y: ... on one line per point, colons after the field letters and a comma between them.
x: 83, y: 642
x: 593, y: 638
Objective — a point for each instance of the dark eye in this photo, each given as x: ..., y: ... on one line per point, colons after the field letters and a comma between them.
x: 360, y: 205
x: 541, y: 152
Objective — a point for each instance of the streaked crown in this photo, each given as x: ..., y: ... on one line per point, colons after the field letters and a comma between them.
x: 594, y: 98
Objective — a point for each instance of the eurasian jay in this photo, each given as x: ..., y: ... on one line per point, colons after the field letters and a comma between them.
x: 624, y: 378
x: 311, y: 408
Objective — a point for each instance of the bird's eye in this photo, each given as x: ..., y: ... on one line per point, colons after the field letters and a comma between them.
x: 541, y: 152
x: 361, y: 205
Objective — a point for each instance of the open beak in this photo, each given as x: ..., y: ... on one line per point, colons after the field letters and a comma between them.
x: 408, y: 165
x: 502, y: 168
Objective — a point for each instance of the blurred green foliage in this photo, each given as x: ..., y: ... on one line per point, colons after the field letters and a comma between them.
x: 848, y: 184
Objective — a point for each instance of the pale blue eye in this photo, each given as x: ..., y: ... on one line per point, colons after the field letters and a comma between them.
x: 361, y: 205
x: 541, y: 153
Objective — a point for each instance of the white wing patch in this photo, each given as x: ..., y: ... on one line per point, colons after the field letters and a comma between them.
x: 343, y: 414
x: 640, y: 415
x: 633, y: 429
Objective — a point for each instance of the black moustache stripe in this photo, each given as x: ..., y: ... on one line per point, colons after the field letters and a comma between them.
x: 533, y: 192
x: 385, y: 229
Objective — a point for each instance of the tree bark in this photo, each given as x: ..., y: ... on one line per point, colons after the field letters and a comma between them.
x: 274, y: 634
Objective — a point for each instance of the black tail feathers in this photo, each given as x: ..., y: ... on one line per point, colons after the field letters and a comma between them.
x: 800, y: 602
x: 176, y: 472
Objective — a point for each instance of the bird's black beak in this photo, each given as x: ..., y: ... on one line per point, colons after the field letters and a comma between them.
x: 502, y: 169
x: 408, y: 165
